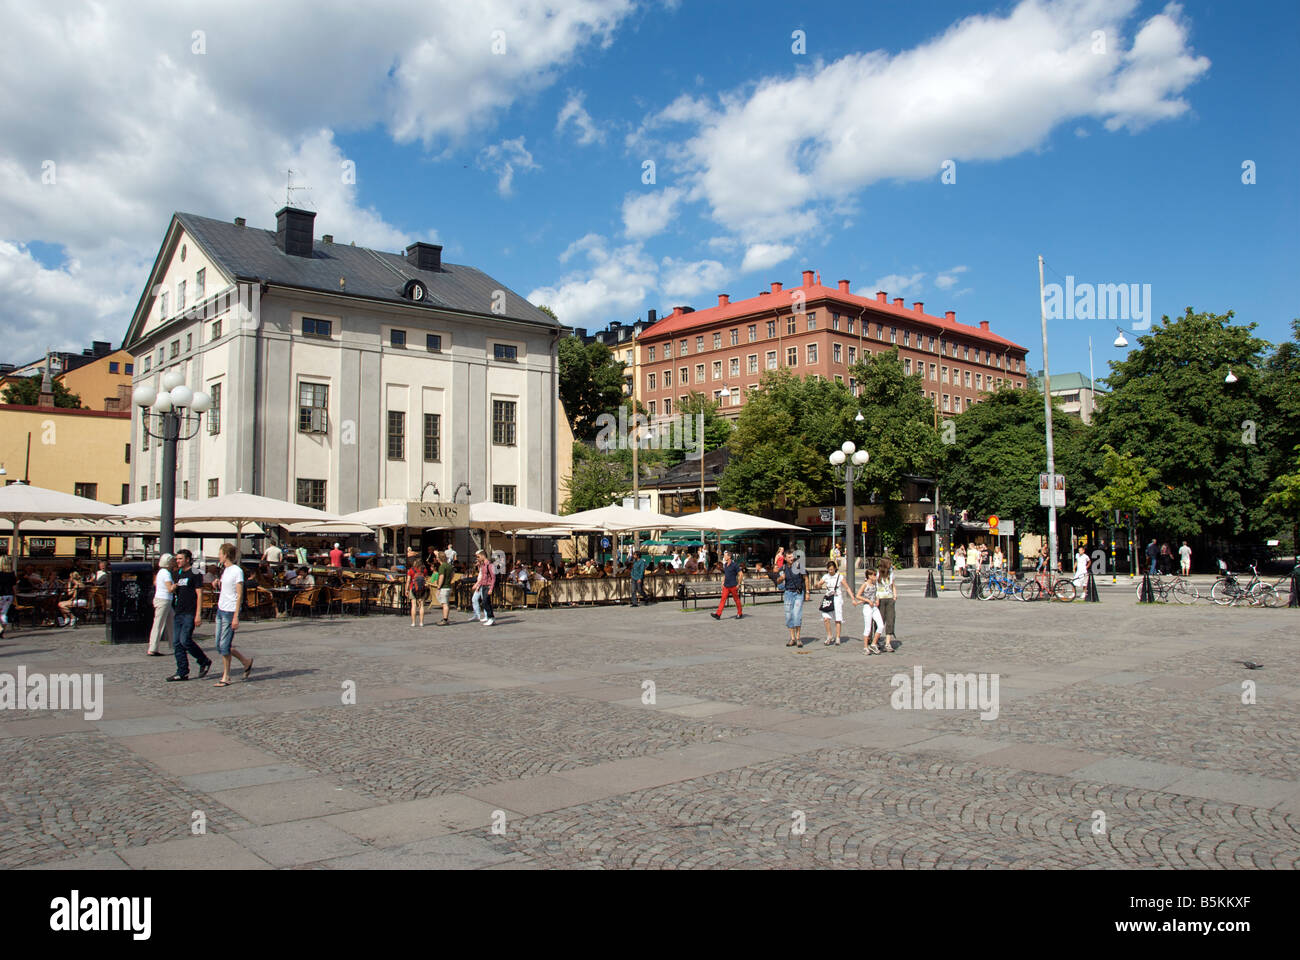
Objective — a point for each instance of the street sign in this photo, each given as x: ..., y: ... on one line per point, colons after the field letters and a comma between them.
x: 827, y: 514
x: 929, y: 523
x: 1051, y: 486
x: 604, y: 543
x: 428, y: 514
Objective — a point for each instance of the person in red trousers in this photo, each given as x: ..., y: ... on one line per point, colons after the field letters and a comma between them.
x: 732, y: 577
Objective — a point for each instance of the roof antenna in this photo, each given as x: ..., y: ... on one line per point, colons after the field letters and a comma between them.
x: 289, y: 188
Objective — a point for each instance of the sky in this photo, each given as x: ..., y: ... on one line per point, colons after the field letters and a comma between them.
x: 605, y: 157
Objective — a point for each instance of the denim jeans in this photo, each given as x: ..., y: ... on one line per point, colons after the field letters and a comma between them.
x: 184, y: 645
x: 225, y: 632
x: 793, y: 608
x: 1153, y: 566
x: 481, y: 601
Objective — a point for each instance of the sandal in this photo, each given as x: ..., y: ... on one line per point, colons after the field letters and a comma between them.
x: 222, y: 683
x: 829, y: 642
x: 790, y: 643
x: 248, y: 669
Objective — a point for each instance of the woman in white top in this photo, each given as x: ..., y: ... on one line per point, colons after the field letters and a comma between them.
x: 1081, y: 564
x: 163, y: 615
x: 997, y: 558
x: 959, y: 558
x: 832, y: 584
x: 886, y: 594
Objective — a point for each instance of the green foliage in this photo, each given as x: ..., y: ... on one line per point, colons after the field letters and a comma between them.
x: 598, y: 479
x: 717, y: 428
x: 898, y: 426
x: 1127, y: 488
x: 1170, y: 405
x: 27, y: 392
x: 548, y: 311
x: 1280, y: 397
x: 591, y: 383
x: 1000, y: 447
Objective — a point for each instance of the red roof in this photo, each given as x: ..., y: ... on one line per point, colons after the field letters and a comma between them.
x: 782, y: 300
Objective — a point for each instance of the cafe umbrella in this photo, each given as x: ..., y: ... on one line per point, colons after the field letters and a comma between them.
x: 20, y: 501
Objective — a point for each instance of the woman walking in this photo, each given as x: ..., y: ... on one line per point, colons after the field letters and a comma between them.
x: 832, y: 605
x: 481, y: 599
x: 887, y: 594
x: 794, y: 585
x: 873, y: 627
x: 162, y: 606
x: 416, y: 578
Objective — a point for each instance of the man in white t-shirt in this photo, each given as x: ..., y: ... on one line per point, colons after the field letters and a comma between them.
x: 273, y: 555
x: 1185, y: 558
x: 228, y: 604
x: 451, y: 554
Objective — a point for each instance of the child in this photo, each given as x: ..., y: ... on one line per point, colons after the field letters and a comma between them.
x: 872, y: 624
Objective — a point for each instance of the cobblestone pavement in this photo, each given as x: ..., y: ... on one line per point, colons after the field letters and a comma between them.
x: 1125, y: 736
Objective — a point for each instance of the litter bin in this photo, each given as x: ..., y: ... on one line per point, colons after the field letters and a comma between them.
x: 130, y: 603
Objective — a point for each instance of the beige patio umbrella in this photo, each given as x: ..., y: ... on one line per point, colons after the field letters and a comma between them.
x: 719, y: 520
x: 20, y: 501
x: 240, y: 509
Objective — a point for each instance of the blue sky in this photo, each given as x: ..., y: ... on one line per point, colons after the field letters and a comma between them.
x: 1125, y: 167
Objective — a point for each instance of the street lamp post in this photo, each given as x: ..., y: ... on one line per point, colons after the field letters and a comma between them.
x: 172, y: 424
x: 847, y: 458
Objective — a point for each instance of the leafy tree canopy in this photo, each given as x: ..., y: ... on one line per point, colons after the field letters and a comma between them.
x: 591, y: 383
x: 27, y: 392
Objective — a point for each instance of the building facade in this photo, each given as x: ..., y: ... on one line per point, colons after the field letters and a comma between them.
x: 724, y: 350
x: 1078, y: 394
x: 344, y: 377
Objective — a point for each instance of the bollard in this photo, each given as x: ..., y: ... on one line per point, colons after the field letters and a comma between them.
x: 1295, y: 589
x: 976, y: 591
x: 930, y: 590
x: 1147, y: 595
x: 1092, y: 596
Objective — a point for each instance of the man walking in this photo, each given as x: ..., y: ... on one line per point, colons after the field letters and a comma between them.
x: 638, y: 579
x: 228, y: 604
x: 793, y: 579
x: 186, y: 596
x: 482, y: 597
x: 1152, y: 554
x: 1185, y: 559
x: 445, y: 574
x: 732, y: 575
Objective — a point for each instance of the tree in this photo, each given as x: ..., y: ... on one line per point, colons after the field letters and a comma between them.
x: 598, y: 479
x: 717, y: 428
x: 548, y: 311
x: 999, y: 447
x: 1280, y: 396
x: 1284, y: 499
x: 1127, y: 488
x: 1170, y: 404
x: 898, y: 425
x: 591, y: 383
x: 26, y: 391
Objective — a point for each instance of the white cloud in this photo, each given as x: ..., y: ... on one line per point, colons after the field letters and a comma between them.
x: 150, y: 126
x: 949, y: 278
x: 896, y: 285
x: 778, y: 159
x: 612, y: 283
x: 573, y: 112
x: 503, y: 159
x: 685, y: 278
x: 647, y: 214
x: 760, y: 256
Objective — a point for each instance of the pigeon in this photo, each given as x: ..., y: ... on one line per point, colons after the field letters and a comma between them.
x: 1251, y: 664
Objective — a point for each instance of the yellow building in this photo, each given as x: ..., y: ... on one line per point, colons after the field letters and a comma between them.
x: 104, y: 383
x: 82, y: 452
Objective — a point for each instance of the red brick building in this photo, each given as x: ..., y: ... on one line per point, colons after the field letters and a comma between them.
x: 813, y: 329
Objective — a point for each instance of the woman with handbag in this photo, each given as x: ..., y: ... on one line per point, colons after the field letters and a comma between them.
x: 832, y: 605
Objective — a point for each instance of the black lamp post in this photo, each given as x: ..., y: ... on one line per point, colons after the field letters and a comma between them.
x: 175, y: 412
x: 848, y: 457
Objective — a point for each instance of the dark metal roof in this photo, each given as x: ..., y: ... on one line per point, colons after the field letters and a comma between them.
x: 247, y: 253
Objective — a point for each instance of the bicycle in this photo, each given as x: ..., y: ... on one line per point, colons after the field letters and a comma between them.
x: 1175, y: 585
x: 1054, y: 587
x: 1001, y: 584
x: 1228, y: 591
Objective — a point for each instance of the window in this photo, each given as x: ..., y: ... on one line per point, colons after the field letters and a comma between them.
x: 127, y: 457
x: 966, y: 376
x: 189, y: 342
x: 791, y: 325
x: 668, y: 377
x: 699, y: 344
x: 200, y: 282
x: 719, y: 399
x: 853, y: 355
x: 144, y: 432
x: 966, y: 354
x: 396, y: 435
x: 161, y: 353
x: 501, y: 493
x: 173, y: 350
x: 751, y: 363
x: 752, y: 331
x: 397, y: 339
x: 681, y: 348
x: 162, y: 304
x: 812, y: 321
x: 943, y: 374
x: 214, y: 330
x: 144, y: 493
x: 126, y: 493
x: 792, y: 356
x: 668, y: 406
x: 503, y: 422
x: 717, y: 369
x: 185, y: 489
x: 433, y: 342
x: 893, y: 334
x: 148, y: 364
x: 835, y: 321
x: 699, y: 373
x: 930, y: 345
x: 311, y: 327
x: 934, y: 375
x: 650, y: 355
x: 311, y: 493
x: 850, y: 325
x: 812, y: 354
x: 668, y: 349
x: 313, y: 400
x: 432, y: 437
x: 733, y: 367
x: 771, y: 359
x: 180, y: 296
x: 907, y: 366
x: 650, y: 381
x: 945, y: 402
x: 214, y: 487
x: 652, y: 408
x: 771, y: 328
x: 853, y: 385
x: 907, y: 338
x: 130, y: 369
x: 157, y: 491
x: 214, y: 413
x: 839, y: 353
x: 87, y: 490
x: 683, y: 375
x: 112, y: 367
x: 717, y: 341
x: 838, y: 378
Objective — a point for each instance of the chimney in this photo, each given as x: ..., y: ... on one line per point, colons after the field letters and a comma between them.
x: 678, y: 311
x: 984, y: 325
x: 101, y: 348
x: 844, y: 286
x: 724, y: 299
x: 807, y: 278
x: 240, y: 221
x: 425, y: 256
x: 328, y: 238
x: 919, y: 307
x: 776, y: 286
x: 882, y: 296
x: 580, y: 333
x: 651, y: 316
x: 950, y: 316
x: 898, y: 302
x: 293, y: 231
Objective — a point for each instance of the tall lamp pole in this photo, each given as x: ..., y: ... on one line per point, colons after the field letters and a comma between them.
x: 176, y: 413
x: 848, y: 457
x: 1047, y: 415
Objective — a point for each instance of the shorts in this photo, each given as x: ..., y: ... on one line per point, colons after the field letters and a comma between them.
x: 793, y: 601
x: 444, y: 595
x: 225, y: 633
